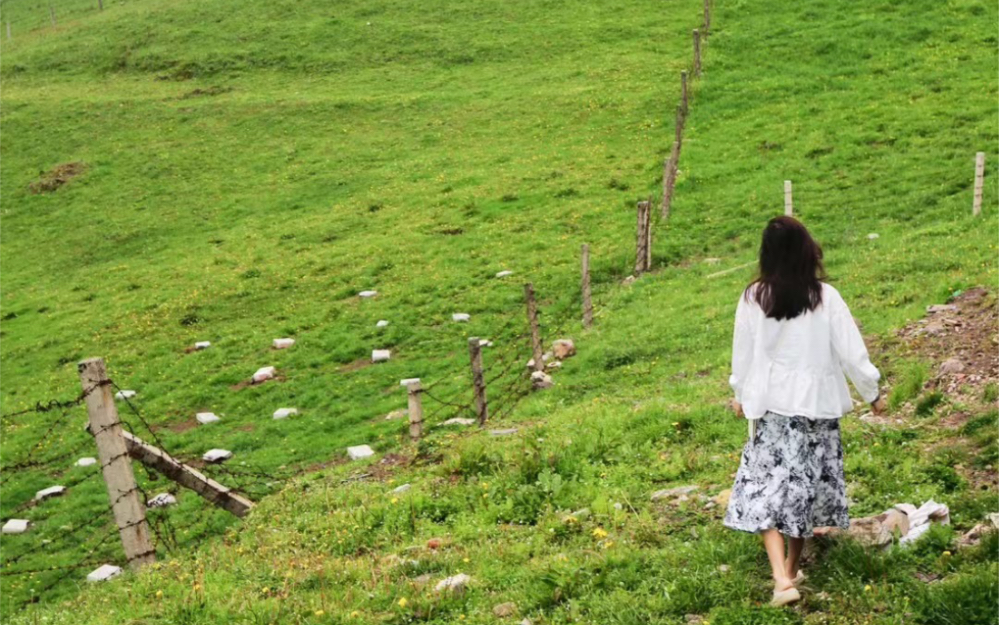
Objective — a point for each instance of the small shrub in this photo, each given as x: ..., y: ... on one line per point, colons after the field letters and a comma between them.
x: 928, y: 403
x: 910, y: 383
x: 991, y: 393
x: 967, y: 599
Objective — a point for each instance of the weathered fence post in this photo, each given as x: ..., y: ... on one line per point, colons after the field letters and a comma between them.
x: 415, y: 391
x: 669, y: 178
x: 788, y: 202
x: 648, y: 234
x: 128, y: 508
x: 707, y: 17
x: 679, y: 124
x: 697, y: 53
x: 52, y: 15
x: 587, y: 302
x: 478, y: 382
x: 976, y: 206
x: 100, y: 5
x: 684, y: 98
x: 532, y: 319
x: 643, y: 237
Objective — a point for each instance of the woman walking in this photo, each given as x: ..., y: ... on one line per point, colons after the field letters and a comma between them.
x: 794, y: 340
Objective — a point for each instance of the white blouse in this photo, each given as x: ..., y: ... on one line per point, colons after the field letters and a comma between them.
x: 795, y: 367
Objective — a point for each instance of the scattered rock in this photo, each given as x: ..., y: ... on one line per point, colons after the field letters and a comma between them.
x: 541, y: 380
x: 161, y: 501
x: 283, y: 343
x: 86, y: 462
x: 284, y: 413
x: 15, y: 526
x: 555, y: 364
x: 360, y: 451
x: 263, y: 374
x: 545, y: 357
x: 951, y: 366
x: 422, y: 580
x: 880, y: 530
x: 939, y: 308
x: 381, y: 323
x: 398, y: 490
x: 673, y: 492
x: 408, y: 381
x: 459, y: 421
x: 200, y: 345
x: 505, y: 432
x: 873, y: 235
x: 526, y: 621
x: 504, y: 610
x: 462, y: 317
x: 455, y: 584
x: 380, y: 355
x: 434, y: 543
x: 103, y: 573
x: 205, y: 418
x: 563, y: 348
x: 694, y: 619
x: 504, y: 273
x: 712, y: 261
x: 215, y: 456
x: 367, y: 294
x: 629, y: 280
x: 51, y: 491
x: 396, y: 414
x: 485, y: 343
x: 723, y: 568
x: 124, y: 394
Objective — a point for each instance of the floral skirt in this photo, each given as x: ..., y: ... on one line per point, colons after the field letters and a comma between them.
x: 790, y: 478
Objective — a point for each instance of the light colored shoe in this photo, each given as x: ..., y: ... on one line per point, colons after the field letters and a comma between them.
x: 785, y: 597
x: 799, y: 578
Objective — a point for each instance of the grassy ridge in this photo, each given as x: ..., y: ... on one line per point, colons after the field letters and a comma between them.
x: 858, y: 108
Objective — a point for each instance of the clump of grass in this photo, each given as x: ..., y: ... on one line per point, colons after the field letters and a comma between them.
x: 967, y: 599
x: 928, y: 403
x: 907, y: 385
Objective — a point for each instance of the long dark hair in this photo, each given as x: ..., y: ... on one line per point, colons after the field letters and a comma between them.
x: 789, y: 282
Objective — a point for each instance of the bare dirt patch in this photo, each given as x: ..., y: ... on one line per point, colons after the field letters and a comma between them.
x: 357, y: 365
x: 56, y: 177
x: 207, y: 91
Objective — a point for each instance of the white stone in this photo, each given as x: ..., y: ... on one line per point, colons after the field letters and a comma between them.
x: 563, y: 348
x: 103, y: 573
x: 504, y: 273
x: 459, y: 421
x: 396, y: 414
x: 284, y: 413
x: 380, y: 355
x: 381, y: 323
x: 15, y: 526
x: 485, y: 343
x: 263, y: 374
x: 86, y: 462
x: 124, y: 395
x: 542, y: 380
x: 360, y: 451
x: 51, y: 491
x: 401, y: 489
x: 712, y: 261
x: 462, y: 317
x: 161, y: 501
x: 408, y: 381
x: 202, y: 345
x: 367, y: 293
x: 873, y: 235
x: 283, y: 343
x: 505, y: 432
x: 205, y: 418
x: 455, y: 583
x: 216, y: 455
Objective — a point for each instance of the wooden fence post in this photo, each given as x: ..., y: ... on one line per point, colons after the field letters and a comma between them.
x: 640, y: 237
x: 679, y: 124
x: 648, y: 234
x: 669, y: 179
x: 128, y: 508
x: 976, y: 205
x: 100, y: 5
x: 415, y: 409
x: 8, y: 30
x: 788, y: 203
x: 697, y: 53
x: 478, y: 382
x: 532, y: 319
x: 52, y: 15
x: 707, y: 17
x: 587, y: 302
x: 684, y: 98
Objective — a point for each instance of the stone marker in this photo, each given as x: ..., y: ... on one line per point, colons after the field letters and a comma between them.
x: 263, y: 374
x: 541, y: 380
x: 214, y: 456
x: 204, y: 418
x: 504, y: 273
x: 459, y: 421
x: 455, y: 583
x: 408, y: 381
x: 200, y: 345
x: 563, y: 348
x: 103, y: 573
x: 401, y: 489
x: 86, y: 462
x: 462, y: 317
x: 367, y: 293
x: 381, y: 323
x: 161, y: 501
x: 672, y: 492
x: 51, y: 491
x: 380, y: 355
x: 283, y: 343
x: 360, y: 451
x: 505, y: 432
x: 15, y: 526
x: 124, y: 395
x: 485, y: 343
x: 284, y: 413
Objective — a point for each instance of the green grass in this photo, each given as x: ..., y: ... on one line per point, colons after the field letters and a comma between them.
x: 418, y: 148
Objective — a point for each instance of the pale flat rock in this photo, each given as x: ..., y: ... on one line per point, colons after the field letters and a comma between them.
x: 396, y: 414
x: 284, y: 413
x: 367, y: 293
x: 103, y: 573
x: 555, y: 364
x: 939, y: 308
x: 540, y: 379
x: 380, y: 355
x: 124, y: 394
x: 461, y: 317
x: 204, y: 418
x: 459, y: 421
x: 200, y: 345
x: 51, y: 491
x: 455, y: 583
x: 485, y: 343
x: 161, y: 501
x: 563, y: 348
x: 504, y: 610
x: 358, y: 452
x: 283, y: 343
x: 951, y: 366
x: 880, y: 530
x: 408, y: 381
x: 401, y: 489
x: 504, y: 273
x: 506, y: 432
x: 712, y: 261
x: 15, y: 526
x: 263, y: 374
x: 381, y: 323
x: 673, y: 492
x: 872, y: 236
x: 86, y: 462
x: 216, y: 455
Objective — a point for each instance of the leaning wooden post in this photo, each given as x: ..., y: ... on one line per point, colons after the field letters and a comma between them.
x: 52, y: 15
x: 707, y: 17
x: 414, y: 390
x: 678, y: 135
x: 788, y: 203
x: 684, y: 98
x: 648, y: 234
x: 640, y: 238
x: 587, y: 302
x: 976, y: 206
x: 478, y: 382
x: 697, y: 53
x: 128, y: 508
x: 532, y: 320
x: 669, y: 179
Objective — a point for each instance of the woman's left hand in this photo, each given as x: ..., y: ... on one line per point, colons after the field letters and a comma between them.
x: 737, y: 408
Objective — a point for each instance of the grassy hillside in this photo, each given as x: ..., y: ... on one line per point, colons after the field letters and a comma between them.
x: 249, y: 169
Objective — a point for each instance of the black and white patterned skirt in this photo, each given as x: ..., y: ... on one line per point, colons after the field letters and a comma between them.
x: 790, y: 478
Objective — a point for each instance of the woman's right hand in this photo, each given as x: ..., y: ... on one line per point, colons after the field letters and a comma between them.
x: 737, y: 409
x: 878, y: 406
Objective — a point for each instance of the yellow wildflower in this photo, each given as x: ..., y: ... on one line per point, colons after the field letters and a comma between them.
x: 403, y: 602
x: 867, y: 588
x: 600, y: 533
x: 319, y: 612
